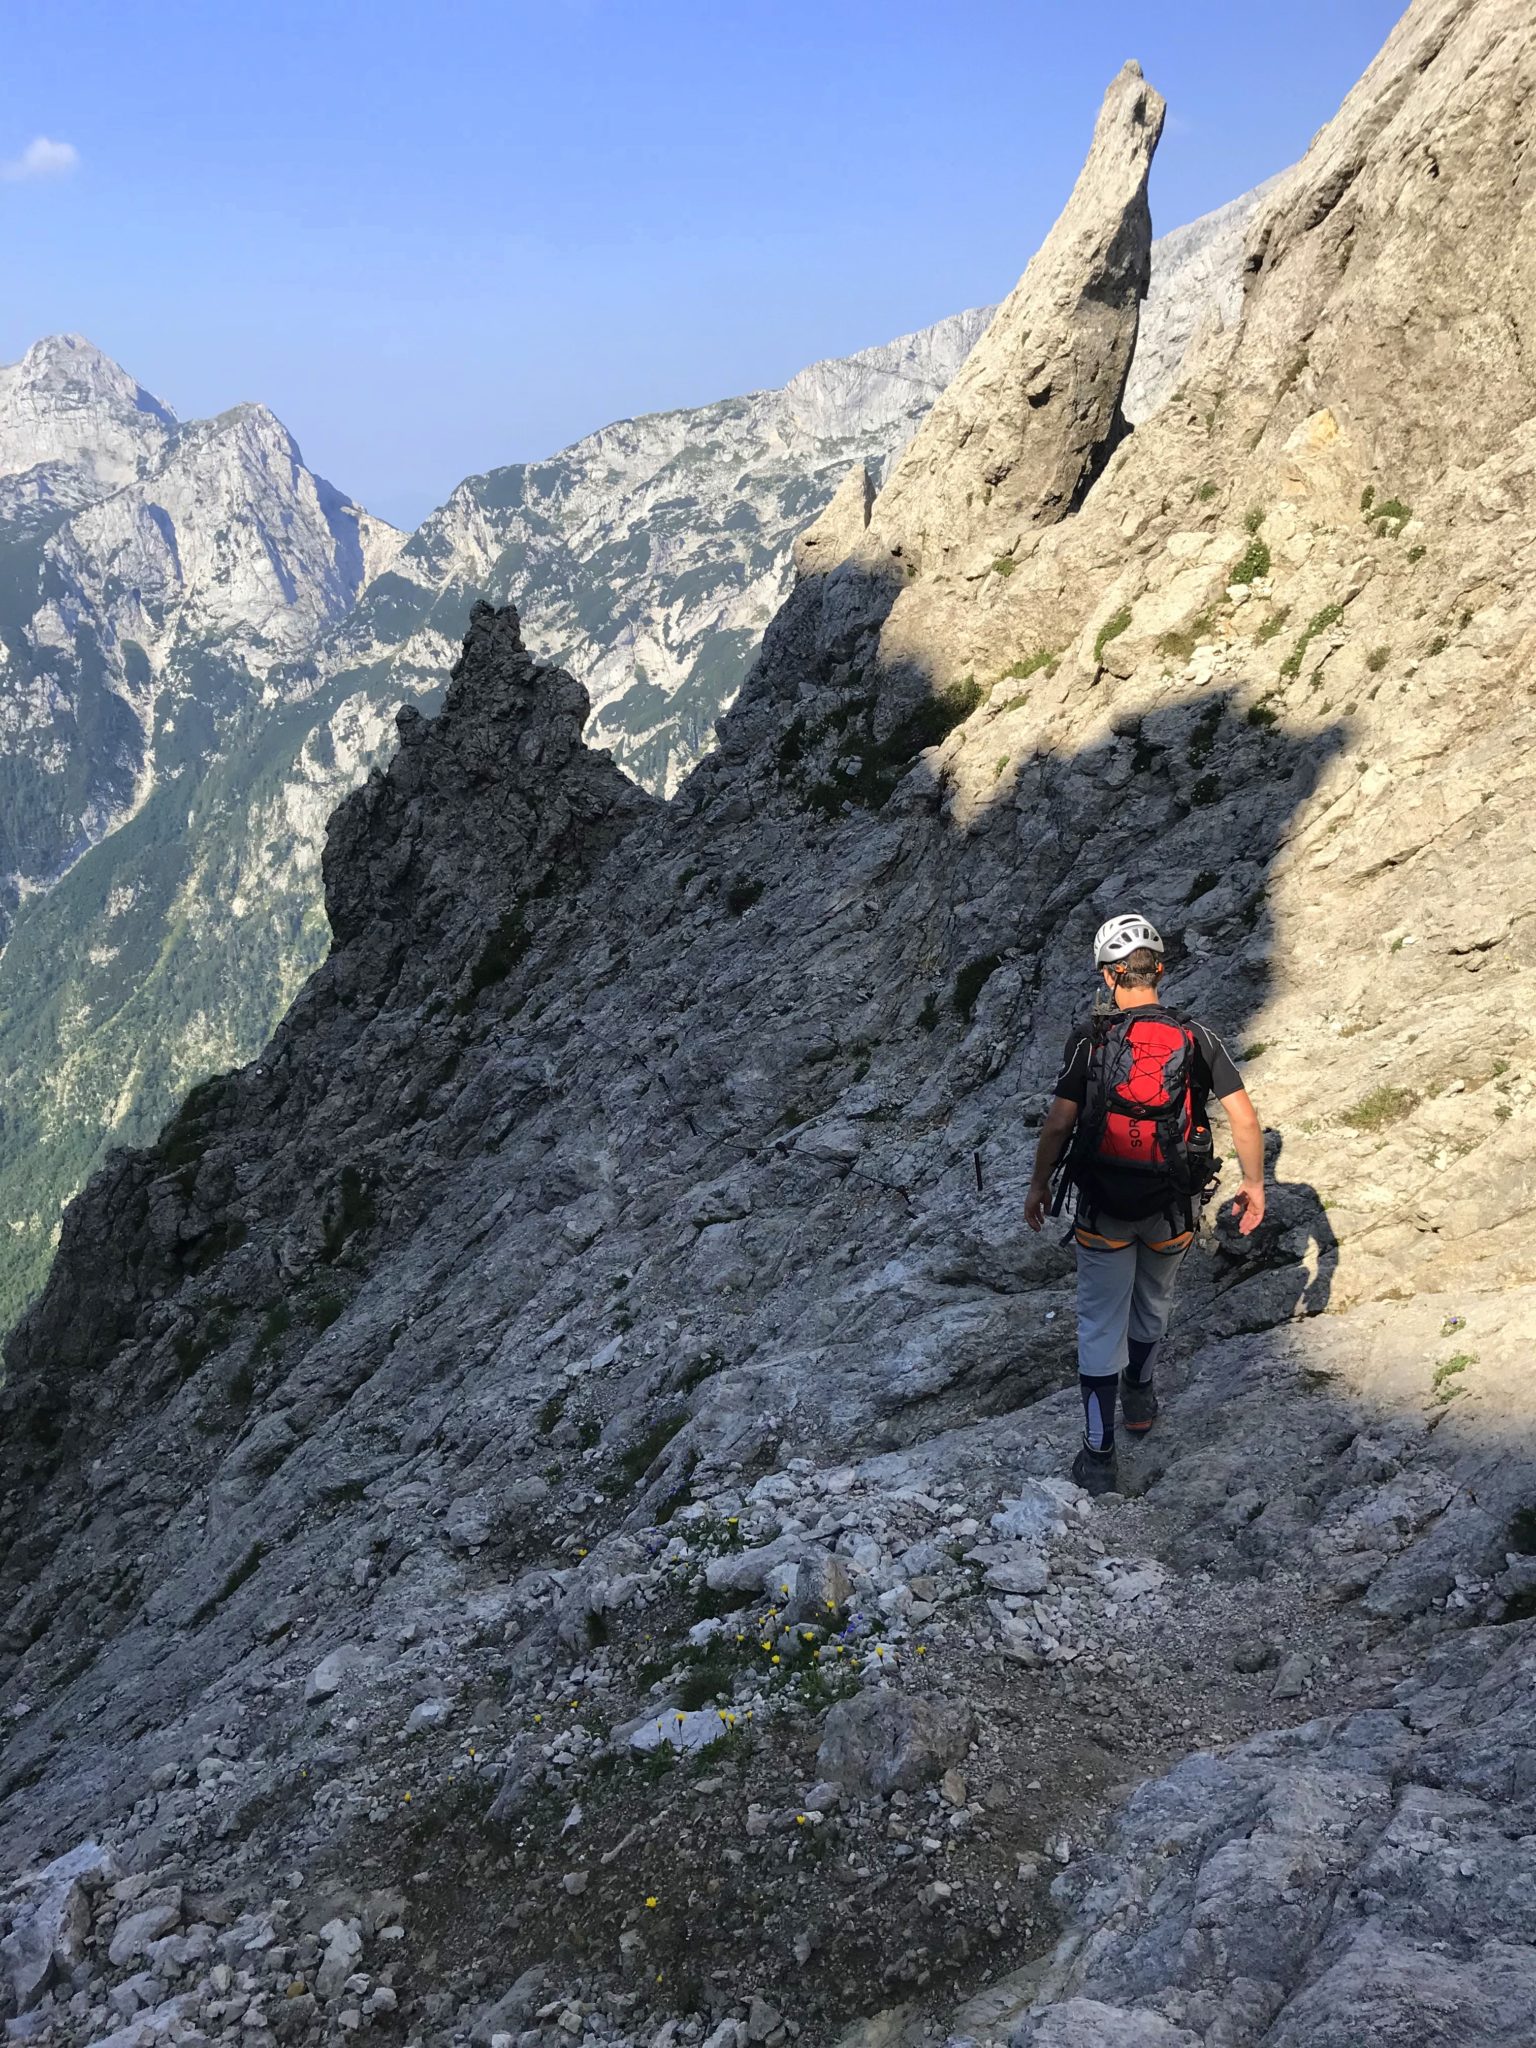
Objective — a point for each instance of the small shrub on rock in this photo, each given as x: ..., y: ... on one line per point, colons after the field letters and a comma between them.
x: 1255, y: 562
x: 971, y: 980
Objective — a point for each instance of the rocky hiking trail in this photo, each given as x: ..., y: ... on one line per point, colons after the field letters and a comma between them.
x: 534, y: 1512
x: 1005, y: 1683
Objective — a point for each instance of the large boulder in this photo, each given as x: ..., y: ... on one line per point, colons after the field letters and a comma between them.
x: 50, y: 1916
x: 888, y: 1741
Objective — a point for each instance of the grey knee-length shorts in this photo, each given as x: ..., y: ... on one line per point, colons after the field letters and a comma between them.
x: 1125, y: 1280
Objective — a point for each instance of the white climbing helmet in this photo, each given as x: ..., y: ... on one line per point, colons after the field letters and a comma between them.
x: 1123, y: 935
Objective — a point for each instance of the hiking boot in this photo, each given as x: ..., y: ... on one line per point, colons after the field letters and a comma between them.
x: 1138, y: 1407
x: 1095, y: 1471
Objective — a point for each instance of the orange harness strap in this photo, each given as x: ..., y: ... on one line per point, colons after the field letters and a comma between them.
x: 1092, y: 1241
x: 1172, y: 1244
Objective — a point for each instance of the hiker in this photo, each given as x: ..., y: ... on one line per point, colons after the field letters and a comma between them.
x: 1127, y: 1134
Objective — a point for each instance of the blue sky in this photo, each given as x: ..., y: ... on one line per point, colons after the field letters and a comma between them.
x: 436, y: 237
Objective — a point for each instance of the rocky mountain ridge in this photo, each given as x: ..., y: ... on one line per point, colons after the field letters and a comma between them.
x: 153, y: 574
x: 649, y: 556
x: 535, y: 1511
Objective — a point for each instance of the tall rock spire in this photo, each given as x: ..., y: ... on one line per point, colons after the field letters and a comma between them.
x: 1010, y: 449
x: 1035, y: 412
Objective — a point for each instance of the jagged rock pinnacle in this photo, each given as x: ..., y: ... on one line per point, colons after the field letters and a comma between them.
x: 492, y: 791
x: 1010, y: 449
x: 1031, y: 418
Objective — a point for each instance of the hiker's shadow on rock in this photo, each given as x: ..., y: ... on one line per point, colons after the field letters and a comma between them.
x: 1281, y: 1273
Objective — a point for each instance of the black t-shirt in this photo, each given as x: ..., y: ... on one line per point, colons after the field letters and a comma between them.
x: 1215, y: 1070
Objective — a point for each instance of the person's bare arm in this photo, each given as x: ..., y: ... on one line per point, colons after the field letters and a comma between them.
x: 1054, y: 1133
x: 1248, y: 1141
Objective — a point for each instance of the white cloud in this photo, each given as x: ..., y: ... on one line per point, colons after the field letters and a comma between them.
x: 42, y: 158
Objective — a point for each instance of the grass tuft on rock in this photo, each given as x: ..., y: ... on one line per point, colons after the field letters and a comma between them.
x: 643, y: 1453
x: 1388, y: 1104
x: 1031, y: 664
x: 742, y: 894
x: 1111, y: 629
x: 1320, y: 622
x: 1444, y: 1384
x: 872, y: 767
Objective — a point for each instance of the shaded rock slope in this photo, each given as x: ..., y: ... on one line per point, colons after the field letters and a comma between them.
x: 534, y: 1511
x: 190, y: 680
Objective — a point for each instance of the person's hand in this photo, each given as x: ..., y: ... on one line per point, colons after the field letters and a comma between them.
x: 1248, y: 1207
x: 1034, y: 1209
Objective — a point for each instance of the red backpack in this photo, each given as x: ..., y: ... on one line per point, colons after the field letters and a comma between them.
x: 1136, y: 1148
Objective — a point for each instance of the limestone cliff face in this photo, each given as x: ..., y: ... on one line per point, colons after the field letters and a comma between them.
x: 153, y: 572
x: 1196, y: 291
x: 625, y: 1225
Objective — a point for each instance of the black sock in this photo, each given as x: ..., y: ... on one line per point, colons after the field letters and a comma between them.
x: 1099, y: 1411
x: 1138, y: 1371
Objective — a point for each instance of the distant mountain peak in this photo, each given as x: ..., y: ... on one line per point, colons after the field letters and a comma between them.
x: 72, y: 364
x: 74, y: 427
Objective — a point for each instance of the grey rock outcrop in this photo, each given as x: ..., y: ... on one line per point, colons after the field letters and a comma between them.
x: 1344, y: 1883
x: 672, y: 1154
x: 886, y: 1741
x: 49, y: 1914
